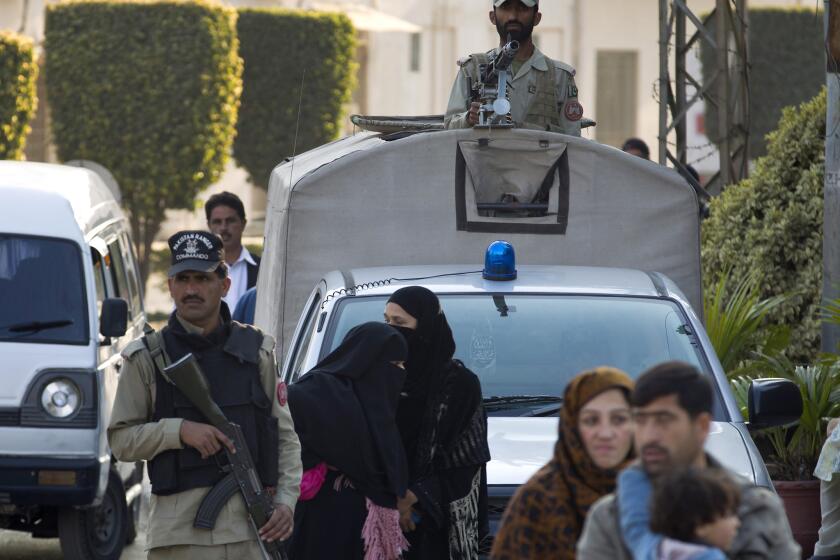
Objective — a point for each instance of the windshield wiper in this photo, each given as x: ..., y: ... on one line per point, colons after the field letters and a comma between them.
x: 38, y: 326
x: 517, y: 401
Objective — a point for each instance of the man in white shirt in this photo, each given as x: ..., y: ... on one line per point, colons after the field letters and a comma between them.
x: 226, y: 218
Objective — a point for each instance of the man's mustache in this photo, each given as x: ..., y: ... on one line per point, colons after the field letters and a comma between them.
x: 654, y: 447
x: 188, y: 299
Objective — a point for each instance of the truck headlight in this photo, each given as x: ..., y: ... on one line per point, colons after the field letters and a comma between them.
x: 61, y: 398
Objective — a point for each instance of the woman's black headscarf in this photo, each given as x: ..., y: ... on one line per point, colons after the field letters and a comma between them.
x: 430, y: 346
x: 344, y: 412
x: 430, y: 350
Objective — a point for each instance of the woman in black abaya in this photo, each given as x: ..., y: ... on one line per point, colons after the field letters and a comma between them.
x: 354, y: 464
x: 444, y: 430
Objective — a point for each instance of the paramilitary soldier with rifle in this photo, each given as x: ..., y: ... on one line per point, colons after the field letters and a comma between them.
x: 541, y: 92
x: 202, y: 385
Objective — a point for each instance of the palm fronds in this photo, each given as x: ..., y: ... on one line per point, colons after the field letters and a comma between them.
x: 734, y: 320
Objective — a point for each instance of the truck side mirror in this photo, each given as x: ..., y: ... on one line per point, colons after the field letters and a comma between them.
x: 773, y: 402
x: 113, y: 320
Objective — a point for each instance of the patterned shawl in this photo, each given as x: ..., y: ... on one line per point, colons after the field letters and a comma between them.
x: 544, y: 519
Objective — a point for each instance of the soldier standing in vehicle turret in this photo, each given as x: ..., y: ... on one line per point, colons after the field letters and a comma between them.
x: 543, y: 94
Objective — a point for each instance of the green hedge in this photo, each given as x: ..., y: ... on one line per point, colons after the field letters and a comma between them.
x: 150, y: 90
x: 787, y: 67
x: 770, y: 225
x: 276, y: 46
x: 18, y: 72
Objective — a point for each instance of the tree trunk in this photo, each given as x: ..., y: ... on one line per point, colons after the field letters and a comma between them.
x: 144, y: 229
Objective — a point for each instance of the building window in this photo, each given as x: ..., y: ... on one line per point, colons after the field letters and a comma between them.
x: 616, y: 98
x: 416, y: 46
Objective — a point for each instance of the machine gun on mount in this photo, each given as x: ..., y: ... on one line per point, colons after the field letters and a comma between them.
x: 492, y: 89
x: 242, y: 475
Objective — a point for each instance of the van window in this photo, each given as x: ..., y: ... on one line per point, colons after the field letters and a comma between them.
x: 98, y: 279
x: 119, y: 275
x: 298, y: 357
x: 42, y: 291
x: 131, y: 271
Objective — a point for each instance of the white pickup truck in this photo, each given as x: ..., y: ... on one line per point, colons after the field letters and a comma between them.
x: 608, y: 272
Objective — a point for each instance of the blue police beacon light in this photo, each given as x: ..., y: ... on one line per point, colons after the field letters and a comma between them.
x: 500, y: 262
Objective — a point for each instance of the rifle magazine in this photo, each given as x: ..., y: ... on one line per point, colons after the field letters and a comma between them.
x: 216, y: 498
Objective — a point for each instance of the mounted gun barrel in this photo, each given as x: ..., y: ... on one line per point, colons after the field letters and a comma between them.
x: 491, y: 91
x: 502, y: 62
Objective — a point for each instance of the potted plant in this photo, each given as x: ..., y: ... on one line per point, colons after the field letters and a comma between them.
x: 791, y: 453
x: 748, y: 350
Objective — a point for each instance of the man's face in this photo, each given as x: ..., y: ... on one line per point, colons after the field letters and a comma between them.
x: 636, y: 152
x: 515, y: 19
x: 226, y: 223
x: 197, y: 295
x: 667, y: 437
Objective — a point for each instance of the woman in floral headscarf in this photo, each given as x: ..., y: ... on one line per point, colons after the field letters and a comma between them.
x: 544, y: 519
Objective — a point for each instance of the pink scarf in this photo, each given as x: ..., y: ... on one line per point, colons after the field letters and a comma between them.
x: 384, y: 540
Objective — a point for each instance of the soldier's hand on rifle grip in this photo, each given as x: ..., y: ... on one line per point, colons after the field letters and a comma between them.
x: 280, y: 526
x: 472, y: 116
x: 204, y: 438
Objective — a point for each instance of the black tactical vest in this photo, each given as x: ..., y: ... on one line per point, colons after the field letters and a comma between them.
x: 232, y: 371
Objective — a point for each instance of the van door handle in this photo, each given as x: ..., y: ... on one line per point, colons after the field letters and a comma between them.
x: 118, y: 366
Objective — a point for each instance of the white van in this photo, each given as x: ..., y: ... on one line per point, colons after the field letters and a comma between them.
x: 70, y: 300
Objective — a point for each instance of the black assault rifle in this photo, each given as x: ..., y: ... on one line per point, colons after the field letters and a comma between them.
x: 492, y: 89
x: 242, y: 475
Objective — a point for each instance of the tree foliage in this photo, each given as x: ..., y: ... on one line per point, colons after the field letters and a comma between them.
x: 277, y: 46
x: 770, y: 226
x: 787, y: 67
x: 150, y: 90
x: 18, y: 72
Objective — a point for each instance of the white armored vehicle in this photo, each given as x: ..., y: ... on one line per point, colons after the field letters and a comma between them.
x: 608, y: 272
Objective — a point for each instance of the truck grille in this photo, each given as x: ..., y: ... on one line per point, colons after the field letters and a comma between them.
x: 33, y: 417
x: 9, y: 417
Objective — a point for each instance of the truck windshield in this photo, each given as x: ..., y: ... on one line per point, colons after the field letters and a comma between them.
x: 523, y: 345
x: 42, y: 292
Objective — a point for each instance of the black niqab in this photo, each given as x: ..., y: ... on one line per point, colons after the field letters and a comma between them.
x: 430, y: 346
x: 444, y: 431
x: 430, y: 350
x: 344, y: 412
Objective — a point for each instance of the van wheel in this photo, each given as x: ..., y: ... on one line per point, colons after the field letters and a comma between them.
x: 96, y: 533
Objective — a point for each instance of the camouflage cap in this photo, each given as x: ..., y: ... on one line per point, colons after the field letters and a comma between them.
x: 529, y: 3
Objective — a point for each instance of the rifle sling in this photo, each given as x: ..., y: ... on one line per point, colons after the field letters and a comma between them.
x: 154, y: 343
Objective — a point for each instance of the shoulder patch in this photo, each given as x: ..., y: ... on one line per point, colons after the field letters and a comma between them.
x: 478, y: 58
x: 132, y: 348
x: 267, y: 343
x: 565, y: 67
x: 464, y: 60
